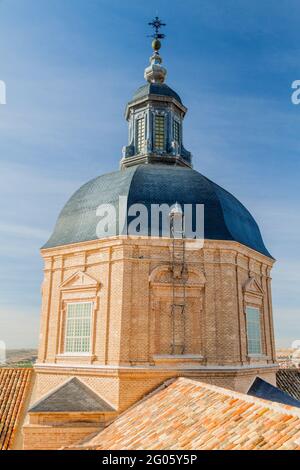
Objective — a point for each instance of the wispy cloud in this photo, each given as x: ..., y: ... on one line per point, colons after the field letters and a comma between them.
x: 23, y: 231
x: 69, y: 73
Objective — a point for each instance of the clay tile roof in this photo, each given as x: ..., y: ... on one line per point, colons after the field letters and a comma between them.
x: 190, y: 415
x: 71, y: 396
x: 288, y: 380
x: 14, y: 390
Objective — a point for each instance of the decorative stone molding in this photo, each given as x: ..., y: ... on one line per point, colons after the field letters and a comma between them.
x: 227, y: 257
x: 79, y: 281
x: 79, y: 287
x: 178, y: 360
x: 253, y: 292
x: 251, y: 286
x: 162, y: 274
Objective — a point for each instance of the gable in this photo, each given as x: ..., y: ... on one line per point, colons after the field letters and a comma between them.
x: 72, y: 396
x: 251, y: 286
x: 79, y: 280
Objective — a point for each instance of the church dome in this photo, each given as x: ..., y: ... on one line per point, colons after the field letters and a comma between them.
x: 156, y: 169
x: 225, y: 218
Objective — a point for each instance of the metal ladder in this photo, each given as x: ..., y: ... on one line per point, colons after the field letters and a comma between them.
x: 178, y: 307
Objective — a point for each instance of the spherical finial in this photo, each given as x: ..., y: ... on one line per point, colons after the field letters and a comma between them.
x: 156, y: 45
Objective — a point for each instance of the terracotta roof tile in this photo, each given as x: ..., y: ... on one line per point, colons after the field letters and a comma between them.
x: 14, y: 387
x: 190, y: 415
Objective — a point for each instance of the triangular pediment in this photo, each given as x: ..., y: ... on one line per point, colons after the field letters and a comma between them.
x: 252, y: 286
x: 74, y: 396
x: 79, y: 280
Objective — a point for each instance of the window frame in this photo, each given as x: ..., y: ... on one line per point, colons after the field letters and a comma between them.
x: 161, y: 135
x: 249, y: 339
x: 78, y: 353
x: 176, y: 123
x: 140, y: 134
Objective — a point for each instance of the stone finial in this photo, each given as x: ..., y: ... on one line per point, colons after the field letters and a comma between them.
x: 155, y: 72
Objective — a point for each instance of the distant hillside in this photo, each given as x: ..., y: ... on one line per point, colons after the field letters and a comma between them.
x: 21, y: 357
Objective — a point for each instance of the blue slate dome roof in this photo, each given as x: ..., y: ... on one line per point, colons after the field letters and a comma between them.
x: 160, y: 89
x: 225, y: 217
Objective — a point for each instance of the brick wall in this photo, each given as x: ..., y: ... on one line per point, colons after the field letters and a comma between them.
x: 130, y: 282
x: 38, y: 437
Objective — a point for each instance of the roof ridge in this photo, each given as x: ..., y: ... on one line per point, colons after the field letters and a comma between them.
x: 286, y: 409
x: 190, y: 414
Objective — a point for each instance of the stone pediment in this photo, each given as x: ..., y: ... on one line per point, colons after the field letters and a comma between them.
x: 80, y: 280
x: 251, y: 286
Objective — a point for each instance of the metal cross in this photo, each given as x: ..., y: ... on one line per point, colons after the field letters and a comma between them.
x: 156, y: 25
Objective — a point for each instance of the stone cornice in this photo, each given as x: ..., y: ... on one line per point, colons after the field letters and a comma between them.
x: 154, y: 98
x: 116, y: 371
x: 122, y: 240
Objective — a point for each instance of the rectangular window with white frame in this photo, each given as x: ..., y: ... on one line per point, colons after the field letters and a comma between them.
x: 253, y: 321
x: 78, y: 328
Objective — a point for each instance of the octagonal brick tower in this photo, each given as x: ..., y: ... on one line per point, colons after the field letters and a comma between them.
x: 122, y: 313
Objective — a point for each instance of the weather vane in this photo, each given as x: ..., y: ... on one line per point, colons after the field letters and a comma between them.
x: 155, y: 73
x: 156, y: 25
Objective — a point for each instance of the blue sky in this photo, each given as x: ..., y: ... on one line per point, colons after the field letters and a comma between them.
x: 70, y: 66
